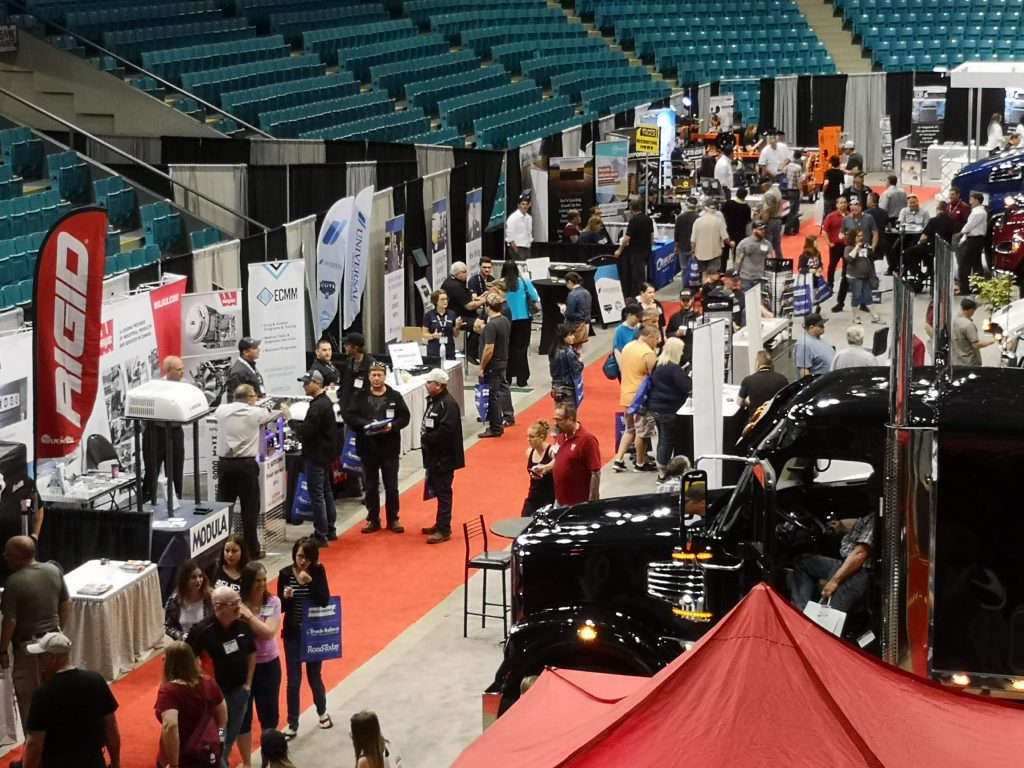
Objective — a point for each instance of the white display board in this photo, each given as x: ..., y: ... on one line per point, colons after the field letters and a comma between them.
x: 276, y: 295
x: 752, y: 308
x: 16, y: 416
x: 708, y: 382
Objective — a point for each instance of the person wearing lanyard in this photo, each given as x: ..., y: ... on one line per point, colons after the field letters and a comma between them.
x: 318, y: 433
x: 322, y: 363
x: 243, y: 370
x: 441, y: 439
x: 441, y: 326
x: 519, y: 230
x: 238, y: 441
x: 973, y: 235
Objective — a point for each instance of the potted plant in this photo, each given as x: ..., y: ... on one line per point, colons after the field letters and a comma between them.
x: 994, y: 292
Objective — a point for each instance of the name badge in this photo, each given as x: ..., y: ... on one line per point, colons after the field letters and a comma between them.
x: 389, y: 413
x: 231, y: 646
x: 443, y: 340
x: 428, y: 423
x: 358, y: 383
x: 266, y: 610
x: 764, y: 247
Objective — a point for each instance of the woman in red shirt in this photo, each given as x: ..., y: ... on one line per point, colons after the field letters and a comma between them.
x: 191, y: 709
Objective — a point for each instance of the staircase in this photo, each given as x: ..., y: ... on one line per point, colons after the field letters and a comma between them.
x: 848, y: 56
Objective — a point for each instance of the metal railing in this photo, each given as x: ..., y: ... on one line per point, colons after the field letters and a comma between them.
x: 73, y: 130
x: 130, y: 66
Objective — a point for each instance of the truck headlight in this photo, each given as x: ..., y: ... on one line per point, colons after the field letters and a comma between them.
x: 587, y: 632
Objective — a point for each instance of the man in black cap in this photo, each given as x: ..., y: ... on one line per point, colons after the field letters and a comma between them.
x: 683, y: 321
x: 378, y: 414
x: 243, y: 370
x: 319, y: 435
x: 813, y: 355
x: 354, y: 367
x: 322, y: 363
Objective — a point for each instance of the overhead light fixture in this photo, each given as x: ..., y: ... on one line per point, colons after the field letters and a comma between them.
x: 687, y: 102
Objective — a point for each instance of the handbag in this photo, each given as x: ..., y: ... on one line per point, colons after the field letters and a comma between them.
x: 822, y: 292
x: 204, y: 744
x: 802, y: 304
x: 643, y: 392
x: 873, y: 282
x: 610, y: 368
x: 825, y: 616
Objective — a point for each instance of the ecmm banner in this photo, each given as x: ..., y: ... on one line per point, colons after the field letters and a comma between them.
x: 330, y: 260
x: 68, y: 301
x: 394, y: 278
x: 474, y: 229
x: 276, y: 318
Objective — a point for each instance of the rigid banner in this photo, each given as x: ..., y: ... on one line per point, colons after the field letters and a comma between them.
x: 276, y: 317
x: 128, y: 358
x: 611, y: 176
x: 394, y: 278
x: 16, y: 390
x: 330, y: 260
x: 211, y: 325
x: 68, y: 300
x: 474, y: 229
x: 166, y: 301
x: 357, y: 251
x: 928, y: 111
x: 439, y: 261
x: 570, y: 188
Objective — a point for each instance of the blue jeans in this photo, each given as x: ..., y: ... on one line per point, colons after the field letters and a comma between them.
x: 266, y: 688
x: 292, y: 649
x: 321, y: 498
x: 666, y: 438
x: 860, y: 292
x: 810, y: 570
x: 237, y: 699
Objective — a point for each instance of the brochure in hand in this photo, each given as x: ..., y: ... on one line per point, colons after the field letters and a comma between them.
x: 376, y: 427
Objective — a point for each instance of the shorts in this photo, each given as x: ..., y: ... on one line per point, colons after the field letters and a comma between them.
x: 641, y: 424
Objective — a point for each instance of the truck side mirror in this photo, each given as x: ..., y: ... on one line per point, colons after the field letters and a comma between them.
x: 693, y: 497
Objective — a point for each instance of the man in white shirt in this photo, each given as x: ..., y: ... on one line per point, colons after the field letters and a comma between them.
x: 973, y: 235
x: 773, y: 158
x: 723, y: 170
x: 519, y: 230
x: 912, y: 218
x: 854, y: 355
x: 893, y: 199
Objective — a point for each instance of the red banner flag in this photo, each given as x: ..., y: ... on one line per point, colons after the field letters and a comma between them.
x: 68, y: 300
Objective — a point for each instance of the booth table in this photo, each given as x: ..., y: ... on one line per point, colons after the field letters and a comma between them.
x: 414, y: 392
x: 111, y: 632
x: 187, y: 535
x: 88, y: 490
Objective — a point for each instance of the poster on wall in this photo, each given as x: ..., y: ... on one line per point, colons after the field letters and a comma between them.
x: 611, y: 176
x: 723, y: 107
x: 928, y: 111
x: 439, y: 242
x: 16, y: 390
x: 531, y: 158
x: 1013, y: 108
x: 570, y: 188
x: 394, y: 278
x: 910, y: 167
x: 128, y: 358
x: 211, y: 328
x: 166, y: 299
x: 276, y: 317
x: 474, y: 229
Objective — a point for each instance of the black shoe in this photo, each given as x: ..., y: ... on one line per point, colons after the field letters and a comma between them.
x: 490, y: 433
x: 439, y: 537
x: 321, y: 541
x: 396, y: 527
x: 837, y: 308
x: 429, y: 531
x: 510, y: 422
x: 650, y: 466
x: 372, y: 526
x: 474, y: 360
x: 332, y: 536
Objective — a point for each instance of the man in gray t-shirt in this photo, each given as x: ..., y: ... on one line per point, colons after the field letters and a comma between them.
x: 493, y: 364
x: 751, y: 253
x: 966, y: 344
x: 35, y: 601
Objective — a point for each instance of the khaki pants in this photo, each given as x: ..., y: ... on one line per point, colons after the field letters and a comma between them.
x: 26, y: 679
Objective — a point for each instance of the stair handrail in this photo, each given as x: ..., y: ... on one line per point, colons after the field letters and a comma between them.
x: 73, y: 129
x: 134, y: 67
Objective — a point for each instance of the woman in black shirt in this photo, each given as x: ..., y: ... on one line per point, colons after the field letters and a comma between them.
x: 834, y: 178
x: 302, y: 582
x: 539, y: 458
x: 234, y: 556
x: 441, y: 326
x: 670, y: 387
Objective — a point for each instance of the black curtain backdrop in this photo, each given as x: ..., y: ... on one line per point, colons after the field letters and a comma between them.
x: 313, y: 189
x: 482, y: 171
x: 828, y: 102
x: 766, y: 120
x: 415, y: 237
x: 457, y: 190
x: 183, y: 149
x: 267, y: 191
x: 806, y: 130
x: 899, y: 93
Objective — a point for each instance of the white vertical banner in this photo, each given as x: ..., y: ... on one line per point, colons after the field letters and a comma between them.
x: 330, y: 261
x: 439, y: 261
x: 16, y: 415
x: 752, y: 309
x: 276, y: 317
x: 128, y: 358
x: 708, y: 382
x: 394, y: 278
x: 357, y: 251
x: 474, y: 229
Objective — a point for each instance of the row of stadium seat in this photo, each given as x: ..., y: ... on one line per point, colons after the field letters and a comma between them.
x: 161, y: 224
x: 93, y: 23
x: 210, y: 84
x: 524, y: 138
x: 172, y: 63
x: 361, y: 59
x: 421, y: 10
x: 118, y: 197
x: 326, y: 42
x: 446, y: 137
x: 428, y: 93
x: 69, y: 176
x: 11, y: 185
x: 22, y: 151
x: 609, y: 99
x: 461, y: 111
x: 543, y: 68
x: 292, y: 24
x: 572, y: 84
x: 453, y: 24
x: 29, y: 214
x: 327, y: 115
x: 512, y: 55
x: 494, y: 131
x: 132, y: 43
x: 202, y: 238
x: 393, y: 77
x: 247, y: 104
x: 392, y: 127
x: 483, y: 39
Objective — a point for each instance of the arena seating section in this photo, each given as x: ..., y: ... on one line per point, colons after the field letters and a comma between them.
x: 917, y: 36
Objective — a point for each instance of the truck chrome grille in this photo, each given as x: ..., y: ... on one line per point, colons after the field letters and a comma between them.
x: 678, y: 584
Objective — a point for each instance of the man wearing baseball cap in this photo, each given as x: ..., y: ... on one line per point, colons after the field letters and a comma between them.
x: 965, y: 342
x: 72, y: 717
x: 813, y: 355
x: 243, y: 370
x: 441, y: 438
x: 319, y: 435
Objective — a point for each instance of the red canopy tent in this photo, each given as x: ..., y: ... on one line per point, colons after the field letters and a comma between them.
x: 766, y: 687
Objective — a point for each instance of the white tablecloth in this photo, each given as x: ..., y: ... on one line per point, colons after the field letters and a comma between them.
x: 415, y: 395
x: 111, y: 632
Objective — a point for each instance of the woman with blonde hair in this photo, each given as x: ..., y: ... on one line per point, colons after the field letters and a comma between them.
x: 372, y: 749
x: 670, y: 388
x: 191, y: 710
x: 595, y: 233
x: 540, y: 461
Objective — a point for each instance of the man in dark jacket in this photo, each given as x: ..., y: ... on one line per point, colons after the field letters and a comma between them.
x: 354, y: 368
x: 577, y: 303
x: 322, y: 363
x: 441, y: 439
x: 378, y: 414
x: 243, y: 370
x: 319, y: 435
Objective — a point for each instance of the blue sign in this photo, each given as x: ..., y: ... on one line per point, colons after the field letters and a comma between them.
x: 664, y: 264
x: 321, y: 631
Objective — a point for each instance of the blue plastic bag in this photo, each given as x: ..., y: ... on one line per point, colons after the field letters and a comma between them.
x: 349, y: 458
x: 822, y: 292
x: 640, y: 398
x: 483, y: 393
x: 302, y: 507
x: 577, y: 382
x: 802, y: 304
x: 692, y: 273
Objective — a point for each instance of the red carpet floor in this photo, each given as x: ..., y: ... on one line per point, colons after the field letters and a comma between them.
x: 387, y: 582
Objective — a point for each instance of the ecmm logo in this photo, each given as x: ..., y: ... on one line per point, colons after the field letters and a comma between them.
x: 278, y: 294
x: 69, y: 309
x: 210, y: 532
